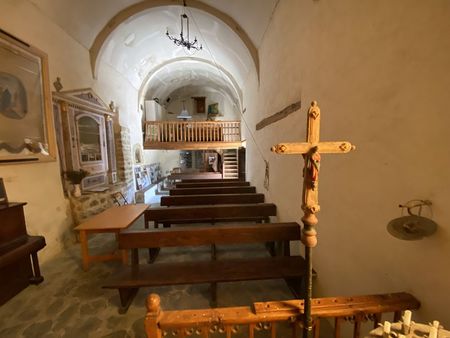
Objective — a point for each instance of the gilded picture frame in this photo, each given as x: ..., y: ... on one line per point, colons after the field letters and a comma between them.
x: 26, y: 119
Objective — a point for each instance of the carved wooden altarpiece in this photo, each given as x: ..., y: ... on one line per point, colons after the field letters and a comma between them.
x: 311, y: 150
x: 85, y: 136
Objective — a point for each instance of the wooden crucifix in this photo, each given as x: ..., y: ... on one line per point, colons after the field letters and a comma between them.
x: 311, y: 150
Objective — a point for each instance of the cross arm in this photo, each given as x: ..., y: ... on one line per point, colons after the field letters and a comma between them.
x: 339, y: 147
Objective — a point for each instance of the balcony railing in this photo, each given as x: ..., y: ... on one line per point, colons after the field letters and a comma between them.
x: 202, y: 131
x: 277, y: 319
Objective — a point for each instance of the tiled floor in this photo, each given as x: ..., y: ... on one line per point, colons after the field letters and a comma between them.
x: 71, y: 302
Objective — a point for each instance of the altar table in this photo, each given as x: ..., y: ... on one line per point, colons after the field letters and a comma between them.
x: 112, y: 220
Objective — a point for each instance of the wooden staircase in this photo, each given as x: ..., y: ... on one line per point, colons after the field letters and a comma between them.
x: 230, y: 164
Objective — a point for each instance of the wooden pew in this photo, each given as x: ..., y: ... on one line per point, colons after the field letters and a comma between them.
x: 211, y: 199
x: 272, y: 316
x: 210, y: 214
x: 212, y: 184
x: 260, y: 212
x: 212, y: 190
x: 210, y: 180
x: 199, y: 175
x: 129, y: 279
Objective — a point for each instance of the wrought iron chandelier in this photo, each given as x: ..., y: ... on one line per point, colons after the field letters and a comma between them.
x: 184, y: 40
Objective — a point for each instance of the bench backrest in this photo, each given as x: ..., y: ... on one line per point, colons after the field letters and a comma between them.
x: 210, y: 180
x: 272, y: 316
x: 210, y: 212
x: 221, y: 234
x: 203, y: 175
x: 212, y: 184
x: 211, y: 199
x: 212, y: 190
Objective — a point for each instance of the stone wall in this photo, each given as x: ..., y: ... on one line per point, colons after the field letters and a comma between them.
x: 90, y: 204
x: 124, y: 156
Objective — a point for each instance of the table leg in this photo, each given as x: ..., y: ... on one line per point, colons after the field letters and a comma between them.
x: 84, y: 249
x: 122, y: 253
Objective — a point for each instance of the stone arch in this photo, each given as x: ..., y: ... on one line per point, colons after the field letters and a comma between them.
x: 237, y: 90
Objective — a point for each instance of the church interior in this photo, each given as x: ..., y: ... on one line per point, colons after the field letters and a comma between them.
x: 201, y: 119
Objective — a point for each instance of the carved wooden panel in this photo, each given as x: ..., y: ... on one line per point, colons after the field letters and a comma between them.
x: 85, y: 136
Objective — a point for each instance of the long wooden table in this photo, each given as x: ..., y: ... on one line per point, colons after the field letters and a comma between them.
x: 112, y: 220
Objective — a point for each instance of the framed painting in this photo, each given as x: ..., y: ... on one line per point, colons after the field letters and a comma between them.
x: 26, y: 123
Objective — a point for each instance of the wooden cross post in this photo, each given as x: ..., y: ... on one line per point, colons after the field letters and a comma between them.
x: 311, y: 150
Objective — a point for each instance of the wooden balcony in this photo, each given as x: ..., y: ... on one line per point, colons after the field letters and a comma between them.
x: 192, y: 135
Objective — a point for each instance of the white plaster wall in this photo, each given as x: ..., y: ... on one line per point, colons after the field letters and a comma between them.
x: 168, y: 159
x: 227, y: 111
x: 381, y: 72
x: 47, y: 212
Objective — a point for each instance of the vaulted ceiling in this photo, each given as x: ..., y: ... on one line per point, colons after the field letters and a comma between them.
x: 129, y: 36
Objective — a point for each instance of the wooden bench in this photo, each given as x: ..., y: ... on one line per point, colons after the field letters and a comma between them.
x: 129, y: 279
x: 275, y: 316
x: 210, y: 180
x: 212, y: 199
x: 212, y: 190
x: 210, y: 214
x: 198, y: 175
x: 212, y: 184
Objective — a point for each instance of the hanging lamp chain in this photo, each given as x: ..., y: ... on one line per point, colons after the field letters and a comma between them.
x: 184, y: 41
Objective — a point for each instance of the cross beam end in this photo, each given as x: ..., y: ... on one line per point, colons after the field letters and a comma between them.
x: 340, y: 147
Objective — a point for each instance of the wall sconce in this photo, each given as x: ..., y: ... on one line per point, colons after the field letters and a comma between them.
x: 414, y: 226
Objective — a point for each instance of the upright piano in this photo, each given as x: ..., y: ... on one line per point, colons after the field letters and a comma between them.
x: 19, y: 265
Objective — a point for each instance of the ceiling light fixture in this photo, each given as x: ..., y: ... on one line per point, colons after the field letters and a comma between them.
x: 184, y: 40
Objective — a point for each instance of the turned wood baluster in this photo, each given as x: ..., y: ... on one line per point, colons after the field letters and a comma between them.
x: 337, y: 327
x: 357, y: 326
x: 160, y: 132
x: 238, y: 126
x: 251, y: 331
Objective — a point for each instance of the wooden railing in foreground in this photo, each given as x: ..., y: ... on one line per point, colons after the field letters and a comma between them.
x: 202, y: 131
x: 269, y: 316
